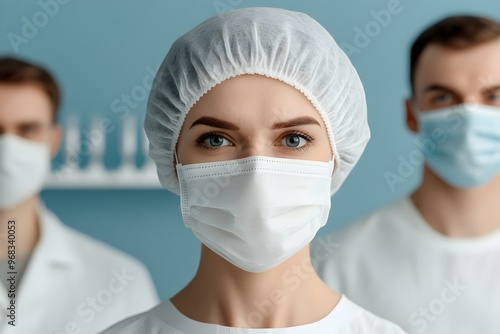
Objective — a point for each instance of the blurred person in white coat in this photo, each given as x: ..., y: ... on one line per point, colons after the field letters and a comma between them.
x: 431, y: 261
x: 53, y: 279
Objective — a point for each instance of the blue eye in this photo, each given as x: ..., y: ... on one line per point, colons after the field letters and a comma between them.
x: 294, y: 141
x: 214, y: 140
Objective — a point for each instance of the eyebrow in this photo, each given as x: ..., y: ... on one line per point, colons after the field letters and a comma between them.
x: 435, y: 87
x: 221, y: 124
x: 215, y: 122
x: 492, y: 88
x: 443, y: 88
x: 30, y: 124
x: 305, y: 120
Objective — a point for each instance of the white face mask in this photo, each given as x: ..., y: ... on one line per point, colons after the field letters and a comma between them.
x: 24, y: 164
x: 255, y: 212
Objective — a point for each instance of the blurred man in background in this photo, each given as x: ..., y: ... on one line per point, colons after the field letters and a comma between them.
x: 53, y: 278
x: 431, y: 262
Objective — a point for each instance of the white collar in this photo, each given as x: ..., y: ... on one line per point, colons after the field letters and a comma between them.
x: 341, y: 316
x: 55, y: 246
x: 422, y: 228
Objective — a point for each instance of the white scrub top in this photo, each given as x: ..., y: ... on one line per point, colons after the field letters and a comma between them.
x: 345, y: 318
x: 395, y: 265
x: 75, y: 284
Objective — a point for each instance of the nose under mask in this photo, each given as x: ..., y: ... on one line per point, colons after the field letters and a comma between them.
x: 462, y: 143
x: 258, y: 211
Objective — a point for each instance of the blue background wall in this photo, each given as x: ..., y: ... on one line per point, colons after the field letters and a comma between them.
x: 100, y: 50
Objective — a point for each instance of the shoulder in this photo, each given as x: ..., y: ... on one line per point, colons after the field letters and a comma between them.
x: 361, y: 321
x: 100, y: 253
x: 375, y: 236
x: 383, y: 224
x: 381, y: 221
x: 97, y: 262
x: 92, y: 253
x: 146, y: 323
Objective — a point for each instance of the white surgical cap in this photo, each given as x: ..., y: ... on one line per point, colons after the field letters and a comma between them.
x: 280, y: 44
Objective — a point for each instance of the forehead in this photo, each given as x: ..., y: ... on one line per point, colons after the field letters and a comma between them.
x: 24, y: 103
x: 253, y: 98
x: 467, y: 68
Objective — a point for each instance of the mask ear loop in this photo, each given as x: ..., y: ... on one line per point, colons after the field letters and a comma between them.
x: 176, y: 161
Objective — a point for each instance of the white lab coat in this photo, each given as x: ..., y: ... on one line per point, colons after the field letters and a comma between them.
x: 74, y: 284
x: 395, y: 265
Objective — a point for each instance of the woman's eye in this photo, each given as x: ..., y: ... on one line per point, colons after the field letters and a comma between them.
x: 294, y: 141
x: 215, y: 141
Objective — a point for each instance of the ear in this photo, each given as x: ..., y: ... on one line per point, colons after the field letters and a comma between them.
x: 56, y: 140
x: 411, y: 120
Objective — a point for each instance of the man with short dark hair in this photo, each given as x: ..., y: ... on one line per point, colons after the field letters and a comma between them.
x: 53, y: 278
x: 431, y: 262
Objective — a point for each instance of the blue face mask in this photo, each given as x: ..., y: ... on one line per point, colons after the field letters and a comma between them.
x: 461, y: 144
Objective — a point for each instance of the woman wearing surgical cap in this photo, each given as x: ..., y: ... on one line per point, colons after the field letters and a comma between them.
x: 255, y: 119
